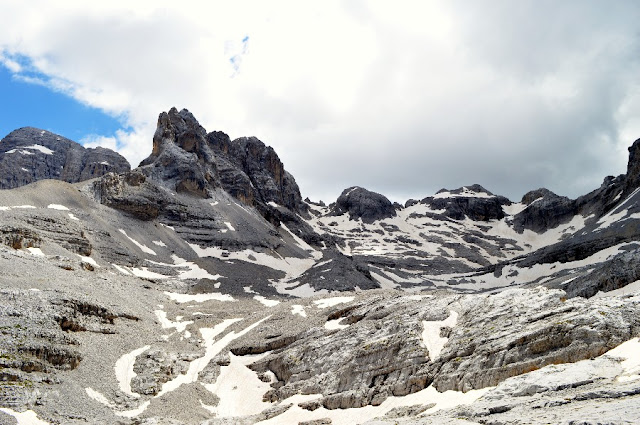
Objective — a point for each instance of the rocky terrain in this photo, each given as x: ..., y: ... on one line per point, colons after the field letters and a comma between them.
x: 30, y: 154
x: 200, y: 288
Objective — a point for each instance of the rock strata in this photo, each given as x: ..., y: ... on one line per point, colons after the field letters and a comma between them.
x: 30, y: 154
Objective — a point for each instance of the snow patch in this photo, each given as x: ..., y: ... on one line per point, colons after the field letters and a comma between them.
x: 144, y: 248
x: 335, y: 324
x: 159, y: 243
x: 57, y: 207
x: 40, y: 148
x: 298, y: 309
x: 330, y: 302
x: 431, y: 334
x: 239, y: 388
x: 266, y: 302
x: 36, y: 251
x: 198, y: 298
x: 89, y: 260
x: 28, y: 417
x: 124, y: 370
x: 229, y: 226
x: 73, y: 217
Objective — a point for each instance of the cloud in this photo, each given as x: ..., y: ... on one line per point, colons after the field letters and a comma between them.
x: 402, y: 98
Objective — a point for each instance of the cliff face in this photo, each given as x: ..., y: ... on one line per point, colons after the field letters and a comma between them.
x: 188, y: 159
x: 30, y: 154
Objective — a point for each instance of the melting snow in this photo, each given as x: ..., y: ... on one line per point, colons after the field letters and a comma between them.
x: 631, y: 364
x: 89, y: 260
x: 229, y: 226
x: 144, y: 248
x: 36, y: 251
x: 159, y: 243
x: 28, y: 417
x: 57, y: 207
x: 330, y: 302
x: 273, y: 204
x: 212, y: 349
x: 266, y: 302
x: 168, y: 324
x: 198, y: 298
x: 298, y: 309
x: 73, y: 217
x: 335, y: 324
x: 40, y: 148
x: 239, y: 388
x: 431, y: 334
x: 124, y: 370
x: 445, y: 400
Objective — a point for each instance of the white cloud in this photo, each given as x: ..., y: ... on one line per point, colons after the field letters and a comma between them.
x: 401, y: 97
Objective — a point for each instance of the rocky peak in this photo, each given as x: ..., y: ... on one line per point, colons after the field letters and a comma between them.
x: 188, y: 159
x: 30, y: 154
x: 362, y: 203
x: 633, y: 168
x: 473, y: 201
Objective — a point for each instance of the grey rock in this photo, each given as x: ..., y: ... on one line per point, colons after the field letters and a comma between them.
x: 479, y: 208
x: 30, y: 154
x: 363, y: 204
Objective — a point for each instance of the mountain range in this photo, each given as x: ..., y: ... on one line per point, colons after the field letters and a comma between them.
x: 201, y: 288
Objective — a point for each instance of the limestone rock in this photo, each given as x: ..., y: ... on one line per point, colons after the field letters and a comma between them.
x: 30, y: 154
x: 363, y: 204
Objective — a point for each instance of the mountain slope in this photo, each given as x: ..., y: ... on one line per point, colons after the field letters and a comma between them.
x: 200, y: 288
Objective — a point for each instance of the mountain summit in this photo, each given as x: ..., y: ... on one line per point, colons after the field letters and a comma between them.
x: 31, y: 154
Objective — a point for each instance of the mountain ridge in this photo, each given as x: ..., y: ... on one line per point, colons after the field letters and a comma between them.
x: 168, y: 293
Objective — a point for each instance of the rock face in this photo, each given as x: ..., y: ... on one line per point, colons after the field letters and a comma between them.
x: 30, y: 154
x: 473, y: 201
x: 545, y: 210
x: 364, y: 204
x: 187, y: 159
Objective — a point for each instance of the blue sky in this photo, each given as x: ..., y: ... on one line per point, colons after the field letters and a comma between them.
x: 32, y: 105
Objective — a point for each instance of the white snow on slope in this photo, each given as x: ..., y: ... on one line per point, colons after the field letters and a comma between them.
x: 298, y: 309
x: 124, y: 370
x: 28, y: 417
x: 144, y: 248
x: 431, y: 334
x: 291, y: 266
x: 446, y: 400
x: 198, y: 298
x: 239, y: 388
x: 57, y: 207
x: 229, y: 226
x: 266, y: 302
x: 466, y: 193
x: 335, y: 324
x: 36, y: 251
x: 212, y: 349
x: 39, y: 148
x: 179, y: 325
x: 630, y: 289
x: 330, y: 302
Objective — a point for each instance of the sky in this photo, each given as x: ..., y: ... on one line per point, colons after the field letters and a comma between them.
x: 403, y: 98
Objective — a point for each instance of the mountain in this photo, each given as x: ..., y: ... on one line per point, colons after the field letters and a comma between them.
x: 200, y: 288
x: 30, y: 154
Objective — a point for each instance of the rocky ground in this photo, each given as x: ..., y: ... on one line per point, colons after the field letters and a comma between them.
x: 200, y: 288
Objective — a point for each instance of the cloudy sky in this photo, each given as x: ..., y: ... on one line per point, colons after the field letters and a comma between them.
x: 400, y: 97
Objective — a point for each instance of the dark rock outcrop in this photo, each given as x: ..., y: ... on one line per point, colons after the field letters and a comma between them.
x: 30, y: 154
x: 545, y: 210
x: 364, y: 204
x: 187, y: 159
x: 473, y: 201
